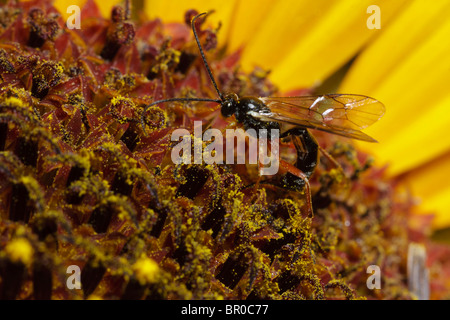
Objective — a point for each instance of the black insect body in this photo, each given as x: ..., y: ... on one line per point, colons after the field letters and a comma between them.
x: 307, y: 157
x: 243, y: 109
x: 341, y: 114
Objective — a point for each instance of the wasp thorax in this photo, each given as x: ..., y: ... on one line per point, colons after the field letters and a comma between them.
x: 229, y: 104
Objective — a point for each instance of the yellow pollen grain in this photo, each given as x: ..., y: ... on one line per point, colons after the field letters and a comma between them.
x: 20, y: 250
x: 146, y: 270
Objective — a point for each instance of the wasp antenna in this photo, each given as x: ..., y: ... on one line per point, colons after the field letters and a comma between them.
x: 203, y: 55
x: 172, y: 100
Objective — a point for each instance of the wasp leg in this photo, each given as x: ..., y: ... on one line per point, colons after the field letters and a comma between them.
x: 300, y: 178
x: 260, y: 168
x: 307, y: 157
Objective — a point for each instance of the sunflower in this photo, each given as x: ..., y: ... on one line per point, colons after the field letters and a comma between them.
x: 328, y: 45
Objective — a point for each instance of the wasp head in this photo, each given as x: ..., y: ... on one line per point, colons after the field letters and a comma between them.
x: 229, y: 104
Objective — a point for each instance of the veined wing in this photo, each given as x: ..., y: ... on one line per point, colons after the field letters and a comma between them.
x: 342, y: 114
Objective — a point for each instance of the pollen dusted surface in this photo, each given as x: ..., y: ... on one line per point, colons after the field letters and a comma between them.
x: 82, y: 184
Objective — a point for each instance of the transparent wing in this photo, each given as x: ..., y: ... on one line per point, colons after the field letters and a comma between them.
x: 342, y: 114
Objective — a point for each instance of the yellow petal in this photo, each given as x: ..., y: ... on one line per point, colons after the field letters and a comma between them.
x: 430, y: 184
x: 249, y: 20
x: 412, y: 82
x: 416, y: 140
x: 308, y: 42
x: 104, y: 7
x: 409, y: 29
x: 62, y: 6
x: 279, y: 29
